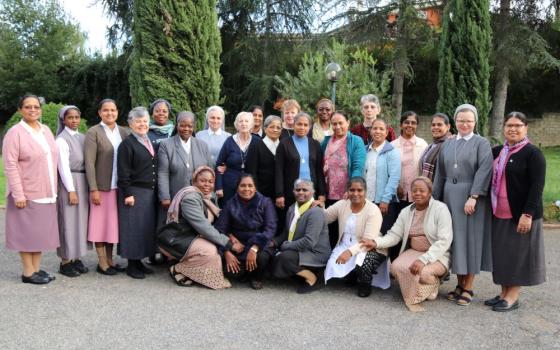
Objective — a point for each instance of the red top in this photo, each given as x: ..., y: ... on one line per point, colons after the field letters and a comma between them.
x: 363, y: 132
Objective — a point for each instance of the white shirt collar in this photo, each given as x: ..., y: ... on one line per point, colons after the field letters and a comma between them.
x: 378, y: 148
x: 271, y: 145
x: 217, y: 132
x: 70, y: 131
x: 30, y: 129
x: 466, y: 137
x: 106, y: 127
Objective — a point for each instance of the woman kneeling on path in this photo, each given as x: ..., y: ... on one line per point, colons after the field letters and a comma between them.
x: 194, y: 208
x: 426, y: 233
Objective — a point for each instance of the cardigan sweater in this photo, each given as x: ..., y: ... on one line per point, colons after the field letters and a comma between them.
x: 525, y: 177
x: 26, y: 166
x: 98, y: 157
x: 368, y: 222
x: 355, y: 151
x: 136, y: 167
x: 387, y: 174
x: 262, y: 164
x: 287, y: 169
x: 437, y: 228
x: 251, y: 223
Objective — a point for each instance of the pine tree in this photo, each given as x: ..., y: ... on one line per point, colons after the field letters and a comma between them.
x: 464, y: 69
x: 175, y: 54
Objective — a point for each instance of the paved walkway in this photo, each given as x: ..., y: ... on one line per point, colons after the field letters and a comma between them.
x: 101, y: 312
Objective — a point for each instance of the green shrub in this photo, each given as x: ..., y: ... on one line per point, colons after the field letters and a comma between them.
x: 49, y: 118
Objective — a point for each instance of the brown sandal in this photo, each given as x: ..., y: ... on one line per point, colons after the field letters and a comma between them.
x: 180, y: 279
x: 465, y: 300
x: 454, y: 294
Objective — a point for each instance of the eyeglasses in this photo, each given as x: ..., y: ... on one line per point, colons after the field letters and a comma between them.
x: 514, y: 126
x: 464, y: 121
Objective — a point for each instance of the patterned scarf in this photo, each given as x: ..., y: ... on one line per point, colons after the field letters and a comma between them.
x: 429, y: 158
x: 175, y: 207
x: 500, y: 168
x: 166, y: 129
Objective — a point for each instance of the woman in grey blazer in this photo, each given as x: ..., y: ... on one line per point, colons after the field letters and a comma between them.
x: 178, y: 157
x: 303, y: 247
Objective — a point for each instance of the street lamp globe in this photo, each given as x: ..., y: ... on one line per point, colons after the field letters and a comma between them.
x: 333, y: 71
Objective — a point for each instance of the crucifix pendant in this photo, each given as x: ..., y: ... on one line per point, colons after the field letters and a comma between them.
x: 455, y: 165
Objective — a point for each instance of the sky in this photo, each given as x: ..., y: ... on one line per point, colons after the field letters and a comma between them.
x: 92, y: 21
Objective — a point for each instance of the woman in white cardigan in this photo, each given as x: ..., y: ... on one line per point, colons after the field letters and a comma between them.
x: 426, y: 233
x: 358, y: 219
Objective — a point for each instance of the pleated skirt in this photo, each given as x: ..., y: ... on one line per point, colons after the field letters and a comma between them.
x: 73, y: 219
x: 518, y: 258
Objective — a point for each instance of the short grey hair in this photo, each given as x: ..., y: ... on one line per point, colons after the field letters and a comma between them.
x: 303, y: 115
x: 215, y: 108
x: 305, y: 182
x: 369, y: 98
x: 270, y: 119
x: 466, y: 108
x: 244, y: 114
x: 183, y: 115
x: 137, y: 113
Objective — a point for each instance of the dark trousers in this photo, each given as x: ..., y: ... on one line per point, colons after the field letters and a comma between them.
x: 388, y: 222
x: 263, y: 259
x: 333, y: 226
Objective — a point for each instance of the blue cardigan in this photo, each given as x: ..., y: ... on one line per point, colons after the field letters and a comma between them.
x: 387, y: 174
x: 355, y: 151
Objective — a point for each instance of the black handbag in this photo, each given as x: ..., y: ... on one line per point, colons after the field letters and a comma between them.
x: 175, y: 238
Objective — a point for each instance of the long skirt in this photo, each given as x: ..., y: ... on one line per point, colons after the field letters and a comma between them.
x: 203, y: 264
x: 137, y: 224
x: 416, y: 288
x: 31, y: 229
x: 103, y: 226
x: 518, y: 258
x: 73, y: 219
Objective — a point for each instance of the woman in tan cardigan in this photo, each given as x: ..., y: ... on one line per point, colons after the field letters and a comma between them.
x: 358, y: 219
x: 426, y: 233
x: 100, y: 157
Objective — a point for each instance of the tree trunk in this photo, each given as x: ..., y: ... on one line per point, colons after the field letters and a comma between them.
x: 502, y: 78
x: 401, y: 62
x: 499, y: 103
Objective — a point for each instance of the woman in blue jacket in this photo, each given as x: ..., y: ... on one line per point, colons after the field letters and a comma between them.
x: 344, y: 158
x: 382, y: 172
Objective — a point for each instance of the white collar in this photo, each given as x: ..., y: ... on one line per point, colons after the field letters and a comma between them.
x: 378, y: 148
x: 106, y: 127
x: 466, y: 137
x: 70, y: 131
x: 217, y: 132
x: 30, y: 129
x: 186, y: 143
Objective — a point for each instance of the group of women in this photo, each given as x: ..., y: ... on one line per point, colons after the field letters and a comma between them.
x: 287, y: 196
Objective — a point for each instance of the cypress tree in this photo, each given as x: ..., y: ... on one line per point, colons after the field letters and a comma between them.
x: 175, y: 54
x: 464, y: 69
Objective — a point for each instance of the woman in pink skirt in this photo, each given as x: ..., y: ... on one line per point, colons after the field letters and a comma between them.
x: 100, y: 156
x: 30, y: 160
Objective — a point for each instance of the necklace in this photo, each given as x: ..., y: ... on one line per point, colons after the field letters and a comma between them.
x: 460, y: 151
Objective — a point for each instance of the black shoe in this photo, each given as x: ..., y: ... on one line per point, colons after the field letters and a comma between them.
x: 143, y: 268
x: 79, y: 266
x: 491, y: 302
x: 503, y: 306
x: 306, y: 288
x: 110, y: 271
x: 35, y: 278
x: 46, y: 274
x: 256, y: 285
x: 157, y: 259
x: 133, y: 271
x: 364, y: 290
x: 68, y: 270
x: 118, y: 268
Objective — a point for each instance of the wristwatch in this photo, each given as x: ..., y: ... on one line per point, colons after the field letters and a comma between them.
x: 254, y: 249
x: 474, y: 196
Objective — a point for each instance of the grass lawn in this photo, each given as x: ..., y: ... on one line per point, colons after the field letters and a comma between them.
x: 551, y: 189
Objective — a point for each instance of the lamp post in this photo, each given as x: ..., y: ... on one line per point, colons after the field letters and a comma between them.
x: 333, y: 71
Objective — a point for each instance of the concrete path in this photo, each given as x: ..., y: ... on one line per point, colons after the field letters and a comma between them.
x: 102, y: 312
